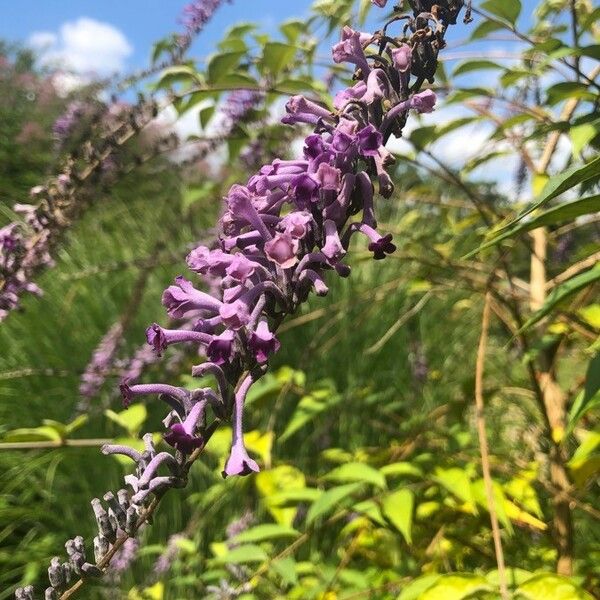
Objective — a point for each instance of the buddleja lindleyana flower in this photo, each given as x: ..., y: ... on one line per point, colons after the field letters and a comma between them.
x: 281, y: 234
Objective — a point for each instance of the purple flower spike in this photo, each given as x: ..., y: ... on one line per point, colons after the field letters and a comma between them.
x: 262, y: 342
x: 380, y: 3
x: 370, y: 141
x: 282, y: 250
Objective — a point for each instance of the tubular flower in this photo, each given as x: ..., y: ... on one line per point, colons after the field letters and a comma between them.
x: 280, y: 233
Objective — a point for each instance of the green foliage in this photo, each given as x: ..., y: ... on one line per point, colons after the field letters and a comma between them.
x: 371, y: 482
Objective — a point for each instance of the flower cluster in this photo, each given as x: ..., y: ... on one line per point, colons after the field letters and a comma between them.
x: 196, y: 15
x: 281, y: 233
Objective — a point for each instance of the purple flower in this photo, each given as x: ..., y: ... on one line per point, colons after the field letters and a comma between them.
x: 296, y: 224
x: 239, y: 463
x: 235, y: 315
x: 262, y: 342
x: 220, y: 348
x: 402, y: 58
x: 350, y: 50
x: 182, y: 435
x: 282, y: 250
x: 184, y: 297
x: 329, y: 177
x: 382, y: 247
x: 160, y: 338
x: 181, y: 440
x: 305, y: 189
x: 424, y: 102
x: 369, y: 141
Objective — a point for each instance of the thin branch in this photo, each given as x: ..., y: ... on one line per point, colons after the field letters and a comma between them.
x: 483, y: 447
x: 402, y: 320
x: 87, y: 443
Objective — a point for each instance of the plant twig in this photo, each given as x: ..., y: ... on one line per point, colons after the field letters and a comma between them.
x: 483, y: 447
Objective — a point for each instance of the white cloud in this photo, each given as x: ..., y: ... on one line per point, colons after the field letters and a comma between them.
x: 84, y: 46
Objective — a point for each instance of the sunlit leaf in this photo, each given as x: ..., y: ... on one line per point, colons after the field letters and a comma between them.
x: 548, y: 586
x: 508, y: 10
x: 356, y: 472
x: 330, y: 500
x: 268, y: 531
x: 398, y: 508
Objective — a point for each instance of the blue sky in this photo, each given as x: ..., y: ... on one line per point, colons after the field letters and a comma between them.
x: 141, y: 22
x: 117, y: 35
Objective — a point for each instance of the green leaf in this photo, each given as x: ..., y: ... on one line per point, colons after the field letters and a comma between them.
x: 33, y: 434
x: 398, y: 508
x: 557, y: 214
x: 356, y: 472
x: 249, y: 553
x: 276, y: 56
x: 590, y: 397
x: 370, y: 509
x: 456, y: 587
x: 562, y: 293
x: 177, y: 74
x: 475, y: 65
x: 293, y: 29
x: 130, y: 419
x: 308, y: 408
x: 566, y: 90
x: 268, y: 531
x: 479, y: 492
x: 329, y: 500
x: 205, y: 115
x: 286, y: 569
x: 457, y: 481
x: 76, y: 424
x: 507, y: 10
x: 415, y: 589
x: 484, y: 29
x: 559, y: 184
x: 401, y: 468
x: 293, y: 497
x: 582, y: 135
x: 222, y: 65
x: 547, y: 586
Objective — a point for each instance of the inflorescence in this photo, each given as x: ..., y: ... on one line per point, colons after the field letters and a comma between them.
x: 282, y: 232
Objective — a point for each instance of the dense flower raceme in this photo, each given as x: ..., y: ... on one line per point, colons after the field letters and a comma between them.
x: 281, y: 232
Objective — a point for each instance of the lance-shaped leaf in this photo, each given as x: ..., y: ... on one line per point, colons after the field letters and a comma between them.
x: 398, y: 508
x: 557, y: 214
x: 563, y: 292
x: 330, y: 500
